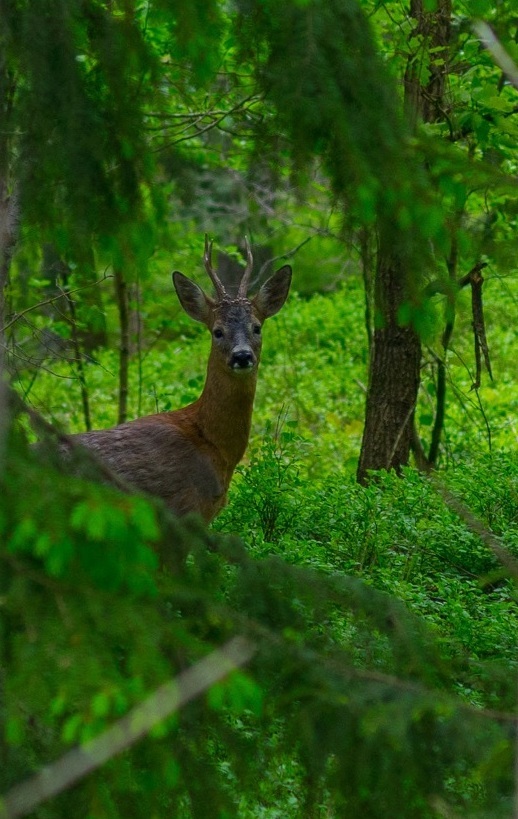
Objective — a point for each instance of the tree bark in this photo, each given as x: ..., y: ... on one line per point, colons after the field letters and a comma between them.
x: 8, y: 235
x: 121, y: 293
x: 9, y: 217
x: 393, y: 374
x: 78, y: 353
x: 394, y: 368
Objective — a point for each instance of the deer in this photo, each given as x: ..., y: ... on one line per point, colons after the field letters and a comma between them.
x: 187, y: 456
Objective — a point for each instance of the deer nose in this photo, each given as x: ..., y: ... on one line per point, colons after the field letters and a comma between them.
x: 242, y: 359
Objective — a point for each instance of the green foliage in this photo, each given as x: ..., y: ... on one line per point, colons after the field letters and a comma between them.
x: 383, y: 680
x: 74, y: 70
x: 309, y: 57
x: 314, y: 368
x: 340, y: 665
x: 397, y: 534
x: 271, y: 493
x: 384, y: 626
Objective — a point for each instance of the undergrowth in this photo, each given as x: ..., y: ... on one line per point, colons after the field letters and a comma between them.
x: 397, y: 534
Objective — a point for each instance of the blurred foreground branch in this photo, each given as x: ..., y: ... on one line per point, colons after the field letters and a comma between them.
x: 166, y: 700
x: 497, y: 51
x: 491, y: 541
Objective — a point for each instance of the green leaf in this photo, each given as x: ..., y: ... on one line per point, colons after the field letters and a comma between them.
x: 238, y: 692
x: 14, y: 731
x: 144, y: 517
x: 23, y: 535
x: 71, y: 729
x: 101, y: 705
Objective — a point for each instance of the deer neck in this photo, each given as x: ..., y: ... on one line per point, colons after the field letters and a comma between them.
x: 224, y: 410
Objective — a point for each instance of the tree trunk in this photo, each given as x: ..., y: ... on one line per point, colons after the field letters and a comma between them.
x: 393, y: 376
x: 394, y: 369
x: 8, y: 234
x: 78, y: 352
x: 121, y: 293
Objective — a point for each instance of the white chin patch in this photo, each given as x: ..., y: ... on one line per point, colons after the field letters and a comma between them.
x: 237, y: 369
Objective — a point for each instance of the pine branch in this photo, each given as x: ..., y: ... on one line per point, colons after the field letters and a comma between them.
x: 41, y: 426
x: 166, y: 700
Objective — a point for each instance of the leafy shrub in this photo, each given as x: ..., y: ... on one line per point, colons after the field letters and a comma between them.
x: 397, y: 534
x: 351, y: 705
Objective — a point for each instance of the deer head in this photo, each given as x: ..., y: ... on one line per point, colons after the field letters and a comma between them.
x: 235, y: 322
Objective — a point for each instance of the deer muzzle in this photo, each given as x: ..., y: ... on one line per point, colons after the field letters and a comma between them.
x: 242, y: 359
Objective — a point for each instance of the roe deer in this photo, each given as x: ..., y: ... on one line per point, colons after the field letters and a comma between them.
x: 187, y: 457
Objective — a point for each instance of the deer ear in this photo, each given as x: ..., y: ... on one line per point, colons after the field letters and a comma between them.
x: 273, y: 293
x: 192, y: 298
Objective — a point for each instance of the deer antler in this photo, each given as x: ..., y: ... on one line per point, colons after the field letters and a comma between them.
x: 243, y: 287
x: 207, y: 261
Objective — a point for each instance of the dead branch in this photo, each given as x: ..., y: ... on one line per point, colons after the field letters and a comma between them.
x: 62, y: 294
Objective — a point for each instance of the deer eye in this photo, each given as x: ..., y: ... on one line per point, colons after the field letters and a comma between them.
x: 257, y: 329
x: 218, y: 332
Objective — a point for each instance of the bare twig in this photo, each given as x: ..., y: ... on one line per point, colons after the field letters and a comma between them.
x: 241, y: 105
x: 479, y: 329
x: 62, y: 294
x: 475, y: 279
x: 284, y: 256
